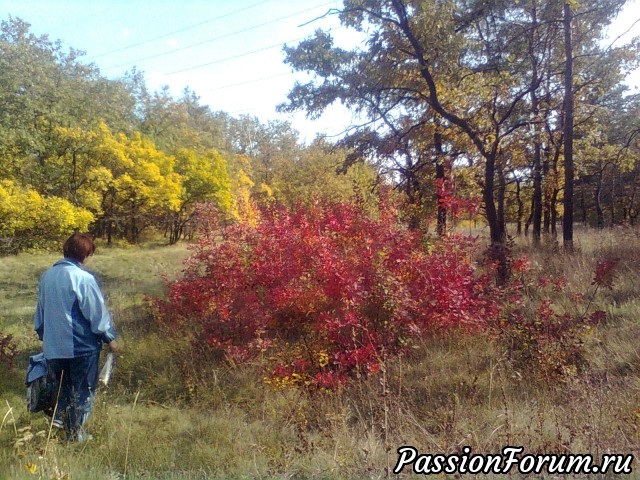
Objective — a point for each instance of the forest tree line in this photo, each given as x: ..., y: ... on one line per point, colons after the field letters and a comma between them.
x: 519, y: 107
x: 83, y: 152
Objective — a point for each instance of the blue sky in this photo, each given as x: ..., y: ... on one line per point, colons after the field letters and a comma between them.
x: 228, y: 51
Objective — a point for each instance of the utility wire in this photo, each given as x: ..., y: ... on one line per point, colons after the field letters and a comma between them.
x: 240, y: 55
x: 230, y: 34
x: 232, y: 57
x: 180, y: 31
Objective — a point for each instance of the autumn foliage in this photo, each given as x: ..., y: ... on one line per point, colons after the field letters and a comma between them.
x: 323, y: 291
x: 542, y: 326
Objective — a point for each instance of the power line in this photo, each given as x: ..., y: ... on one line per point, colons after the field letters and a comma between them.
x: 226, y: 59
x: 244, y: 30
x: 240, y: 55
x: 180, y: 30
x: 233, y: 57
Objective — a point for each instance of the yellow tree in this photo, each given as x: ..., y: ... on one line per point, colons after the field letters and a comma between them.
x: 136, y: 184
x: 29, y: 220
x: 204, y: 178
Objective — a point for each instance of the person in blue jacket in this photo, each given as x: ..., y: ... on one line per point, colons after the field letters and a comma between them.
x: 73, y: 322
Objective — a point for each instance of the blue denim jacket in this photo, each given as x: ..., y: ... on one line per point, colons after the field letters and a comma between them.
x: 71, y: 317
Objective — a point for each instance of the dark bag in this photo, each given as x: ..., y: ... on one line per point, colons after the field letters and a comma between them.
x: 42, y: 386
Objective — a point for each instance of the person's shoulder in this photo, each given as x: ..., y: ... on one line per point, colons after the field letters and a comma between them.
x: 53, y: 269
x: 83, y: 272
x: 91, y: 274
x: 77, y: 270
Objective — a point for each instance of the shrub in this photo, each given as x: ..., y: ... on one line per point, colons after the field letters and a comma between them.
x: 8, y: 350
x: 323, y: 291
x: 537, y: 334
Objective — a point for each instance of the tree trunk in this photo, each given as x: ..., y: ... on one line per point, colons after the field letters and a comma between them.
x: 537, y: 194
x: 567, y: 222
x: 502, y: 189
x: 109, y: 232
x: 546, y: 221
x: 598, y: 203
x: 583, y: 205
x: 520, y: 214
x: 613, y: 196
x: 537, y: 148
x: 527, y: 224
x: 442, y: 208
x: 497, y: 231
x: 440, y: 177
x: 554, y: 212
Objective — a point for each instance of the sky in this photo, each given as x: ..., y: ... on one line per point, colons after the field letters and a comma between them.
x: 229, y: 52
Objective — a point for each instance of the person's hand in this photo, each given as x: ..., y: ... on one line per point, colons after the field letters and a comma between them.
x: 114, y: 346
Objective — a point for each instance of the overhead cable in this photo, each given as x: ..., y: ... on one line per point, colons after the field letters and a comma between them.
x: 230, y: 34
x: 190, y: 27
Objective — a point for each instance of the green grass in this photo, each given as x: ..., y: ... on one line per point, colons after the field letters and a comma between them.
x: 167, y: 417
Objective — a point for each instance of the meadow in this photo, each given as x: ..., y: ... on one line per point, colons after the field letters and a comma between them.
x: 166, y: 415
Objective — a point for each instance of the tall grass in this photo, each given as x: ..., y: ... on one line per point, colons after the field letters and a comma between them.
x: 195, y: 418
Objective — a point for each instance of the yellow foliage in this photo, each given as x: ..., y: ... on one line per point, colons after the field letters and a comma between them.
x: 244, y: 209
x: 28, y: 219
x: 266, y: 189
x: 116, y: 176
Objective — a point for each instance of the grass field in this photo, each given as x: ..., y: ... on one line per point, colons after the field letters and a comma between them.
x: 166, y: 416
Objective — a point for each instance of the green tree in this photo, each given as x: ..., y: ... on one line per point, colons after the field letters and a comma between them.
x: 44, y: 88
x: 174, y: 124
x: 319, y: 174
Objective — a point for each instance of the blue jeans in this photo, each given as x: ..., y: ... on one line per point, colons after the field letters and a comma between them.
x: 79, y: 380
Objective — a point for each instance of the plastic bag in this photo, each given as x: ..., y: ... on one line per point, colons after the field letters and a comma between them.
x: 105, y: 373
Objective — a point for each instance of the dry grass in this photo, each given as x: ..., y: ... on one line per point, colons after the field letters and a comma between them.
x: 196, y: 420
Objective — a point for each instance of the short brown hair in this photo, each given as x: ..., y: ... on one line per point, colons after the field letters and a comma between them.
x: 78, y: 247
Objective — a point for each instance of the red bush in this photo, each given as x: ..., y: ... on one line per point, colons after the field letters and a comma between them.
x: 540, y: 336
x: 326, y: 290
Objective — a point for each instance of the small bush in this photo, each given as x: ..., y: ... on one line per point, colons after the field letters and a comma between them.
x: 540, y: 336
x: 8, y: 350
